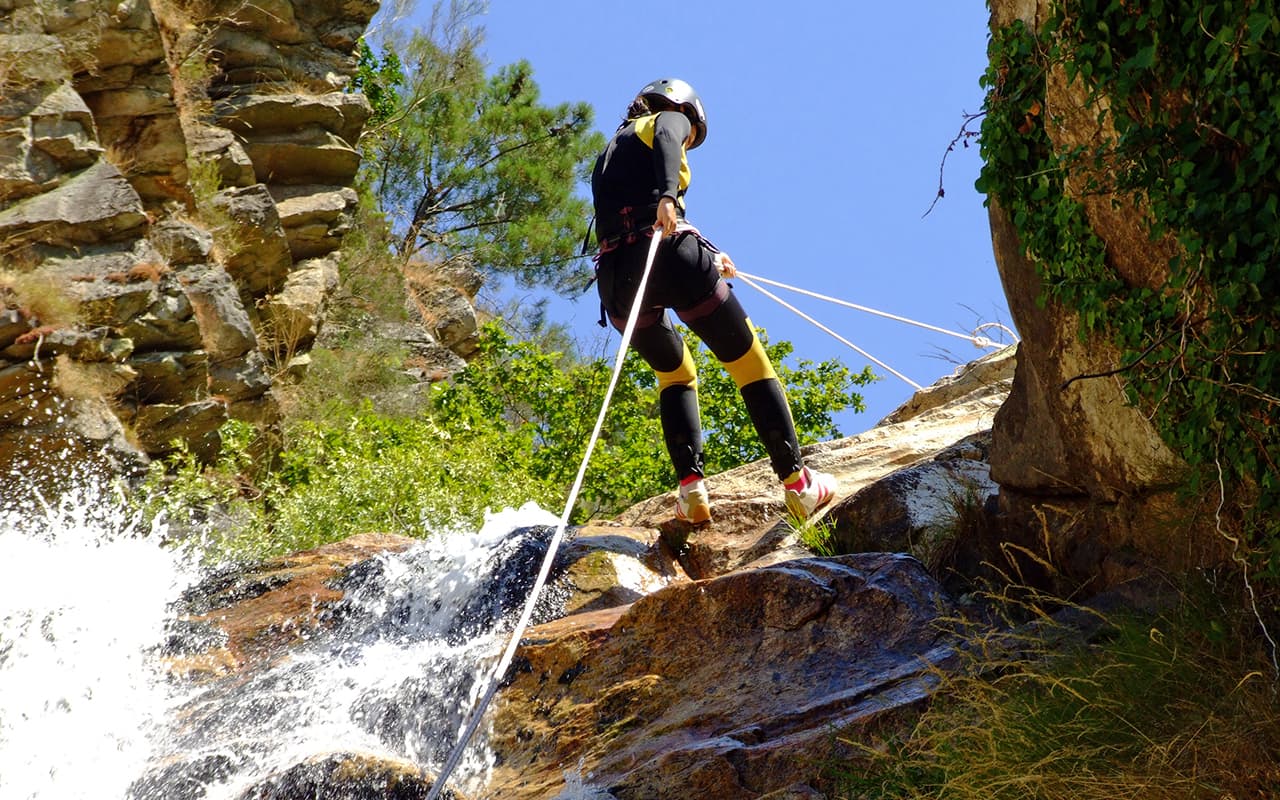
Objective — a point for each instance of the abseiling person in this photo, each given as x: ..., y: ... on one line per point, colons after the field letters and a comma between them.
x: 638, y: 186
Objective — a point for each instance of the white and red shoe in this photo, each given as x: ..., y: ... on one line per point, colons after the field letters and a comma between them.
x: 819, y: 489
x: 692, y: 504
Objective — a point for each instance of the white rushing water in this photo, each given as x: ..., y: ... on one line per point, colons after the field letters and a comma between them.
x: 88, y: 600
x: 83, y: 598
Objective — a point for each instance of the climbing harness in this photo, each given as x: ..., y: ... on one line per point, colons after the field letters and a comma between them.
x: 754, y: 281
x: 629, y: 237
x: 505, y: 662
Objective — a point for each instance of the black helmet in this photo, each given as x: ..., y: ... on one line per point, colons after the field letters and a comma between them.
x: 683, y: 97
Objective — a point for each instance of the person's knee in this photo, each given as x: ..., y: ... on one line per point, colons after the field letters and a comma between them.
x: 685, y: 374
x: 753, y: 366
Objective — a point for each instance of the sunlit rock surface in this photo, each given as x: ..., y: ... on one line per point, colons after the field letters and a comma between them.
x: 662, y: 662
x: 118, y: 164
x: 726, y: 688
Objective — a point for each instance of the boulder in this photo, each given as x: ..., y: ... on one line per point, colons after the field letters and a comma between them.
x: 160, y: 427
x: 348, y: 776
x: 85, y: 345
x: 748, y: 519
x: 315, y: 218
x: 725, y: 688
x: 296, y: 139
x: 96, y: 205
x: 169, y: 377
x: 132, y: 38
x: 251, y: 616
x: 241, y: 378
x: 605, y: 566
x: 62, y: 128
x: 257, y: 116
x: 111, y: 283
x: 181, y: 243
x: 918, y: 509
x: 225, y: 328
x: 261, y: 260
x: 449, y: 314
x: 303, y: 156
x: 222, y: 149
x: 35, y: 62
x: 291, y: 319
x: 49, y: 442
x: 251, y: 59
x: 991, y: 373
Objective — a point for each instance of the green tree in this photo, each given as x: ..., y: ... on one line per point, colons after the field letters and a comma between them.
x: 534, y: 410
x: 472, y: 168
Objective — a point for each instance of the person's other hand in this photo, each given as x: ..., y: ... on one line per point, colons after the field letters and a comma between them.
x: 725, y: 265
x: 667, y: 218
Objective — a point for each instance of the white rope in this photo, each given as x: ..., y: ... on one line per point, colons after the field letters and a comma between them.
x: 980, y: 341
x: 456, y: 754
x: 838, y: 337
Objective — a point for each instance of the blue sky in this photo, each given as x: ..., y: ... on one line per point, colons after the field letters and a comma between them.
x: 827, y: 123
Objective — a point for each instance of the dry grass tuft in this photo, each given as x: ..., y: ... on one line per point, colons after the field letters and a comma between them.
x: 38, y: 299
x: 148, y: 271
x: 1177, y: 705
x: 139, y: 272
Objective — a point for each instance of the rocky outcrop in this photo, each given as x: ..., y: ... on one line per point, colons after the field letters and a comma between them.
x: 667, y: 663
x: 727, y: 688
x: 920, y: 435
x: 120, y: 125
x: 1078, y: 466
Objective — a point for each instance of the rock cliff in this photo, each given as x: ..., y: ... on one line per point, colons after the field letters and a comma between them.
x: 175, y: 183
x: 1085, y: 481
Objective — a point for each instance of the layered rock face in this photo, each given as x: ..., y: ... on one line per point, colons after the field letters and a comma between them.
x: 128, y: 326
x: 1085, y: 480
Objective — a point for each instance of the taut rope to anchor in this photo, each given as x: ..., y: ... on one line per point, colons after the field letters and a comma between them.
x: 754, y: 281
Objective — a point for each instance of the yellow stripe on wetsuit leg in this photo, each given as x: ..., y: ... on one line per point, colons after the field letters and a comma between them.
x: 684, y: 375
x: 753, y: 366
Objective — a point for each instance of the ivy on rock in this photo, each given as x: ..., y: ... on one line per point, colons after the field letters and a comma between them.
x: 1186, y: 99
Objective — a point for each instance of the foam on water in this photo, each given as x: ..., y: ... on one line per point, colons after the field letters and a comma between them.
x: 88, y: 710
x: 84, y: 598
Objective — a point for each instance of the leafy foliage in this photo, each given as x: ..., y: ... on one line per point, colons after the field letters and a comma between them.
x: 510, y: 429
x: 378, y: 79
x: 475, y: 169
x: 1189, y: 91
x: 537, y: 409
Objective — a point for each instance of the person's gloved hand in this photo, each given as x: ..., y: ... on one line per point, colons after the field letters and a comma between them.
x: 667, y: 218
x: 725, y: 265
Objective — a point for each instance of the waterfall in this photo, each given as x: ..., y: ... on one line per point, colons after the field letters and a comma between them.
x: 88, y: 600
x: 84, y: 596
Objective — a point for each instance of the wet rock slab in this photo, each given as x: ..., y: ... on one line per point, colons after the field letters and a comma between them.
x: 722, y: 688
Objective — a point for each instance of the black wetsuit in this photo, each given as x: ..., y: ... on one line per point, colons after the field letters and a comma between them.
x: 644, y: 162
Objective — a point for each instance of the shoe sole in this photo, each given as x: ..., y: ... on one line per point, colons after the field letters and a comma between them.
x: 698, y: 514
x: 796, y: 507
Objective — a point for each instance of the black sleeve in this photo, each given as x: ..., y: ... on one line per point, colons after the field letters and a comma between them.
x: 670, y: 130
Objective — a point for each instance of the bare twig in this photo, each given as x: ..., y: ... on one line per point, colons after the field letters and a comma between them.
x: 1126, y: 367
x: 963, y: 136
